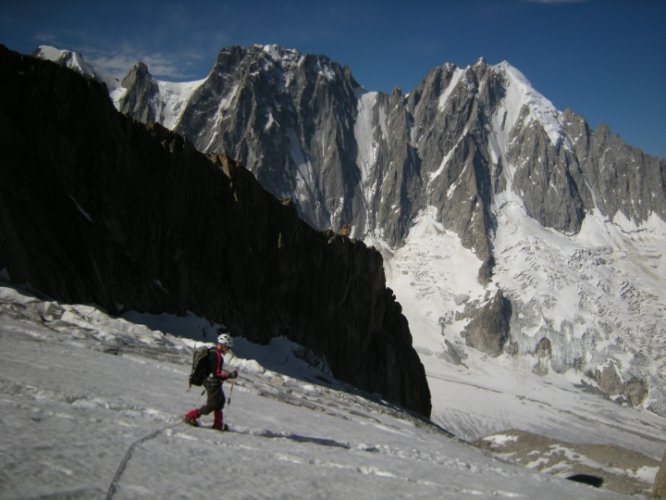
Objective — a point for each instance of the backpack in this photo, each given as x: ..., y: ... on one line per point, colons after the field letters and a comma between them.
x: 200, y: 365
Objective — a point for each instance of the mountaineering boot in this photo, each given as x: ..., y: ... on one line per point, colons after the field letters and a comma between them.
x: 191, y: 421
x: 191, y: 418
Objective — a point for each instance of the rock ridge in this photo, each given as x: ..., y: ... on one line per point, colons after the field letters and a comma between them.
x: 96, y: 207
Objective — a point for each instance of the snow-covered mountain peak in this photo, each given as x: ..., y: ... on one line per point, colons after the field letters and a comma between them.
x: 77, y: 62
x: 279, y: 53
x: 70, y: 59
x: 287, y: 59
x: 275, y: 66
x: 273, y: 57
x: 520, y: 94
x: 519, y: 105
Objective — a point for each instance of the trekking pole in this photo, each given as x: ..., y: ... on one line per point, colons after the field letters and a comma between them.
x: 233, y: 383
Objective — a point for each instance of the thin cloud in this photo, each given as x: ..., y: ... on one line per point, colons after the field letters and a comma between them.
x: 118, y: 63
x: 46, y: 38
x: 116, y: 59
x: 61, y: 37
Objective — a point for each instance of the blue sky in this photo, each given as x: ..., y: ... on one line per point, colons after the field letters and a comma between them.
x: 604, y: 59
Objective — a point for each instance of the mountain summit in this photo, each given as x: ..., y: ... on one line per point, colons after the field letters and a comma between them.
x: 507, y: 226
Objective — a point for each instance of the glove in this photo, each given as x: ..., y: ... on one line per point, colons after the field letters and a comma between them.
x: 233, y: 374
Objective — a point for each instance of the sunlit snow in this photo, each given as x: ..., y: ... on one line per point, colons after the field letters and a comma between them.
x: 174, y: 97
x: 520, y: 94
x: 91, y: 408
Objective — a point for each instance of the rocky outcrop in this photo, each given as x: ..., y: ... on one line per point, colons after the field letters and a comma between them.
x: 141, y: 95
x: 96, y: 207
x: 624, y: 179
x: 488, y: 331
x: 543, y: 353
x: 659, y: 489
x: 544, y: 348
x: 633, y: 391
x: 580, y: 461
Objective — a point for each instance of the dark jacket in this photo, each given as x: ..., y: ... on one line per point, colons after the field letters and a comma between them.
x: 215, y: 362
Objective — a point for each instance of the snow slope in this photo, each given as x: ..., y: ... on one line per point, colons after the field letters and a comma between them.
x: 173, y: 98
x: 473, y: 394
x: 520, y: 95
x: 90, y: 408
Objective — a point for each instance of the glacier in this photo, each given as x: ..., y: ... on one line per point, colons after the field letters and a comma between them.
x: 98, y: 416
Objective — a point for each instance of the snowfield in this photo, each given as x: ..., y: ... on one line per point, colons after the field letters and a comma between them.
x: 91, y: 408
x: 435, y: 281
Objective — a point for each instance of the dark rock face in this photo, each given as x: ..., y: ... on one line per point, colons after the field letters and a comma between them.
x: 288, y: 116
x: 549, y: 188
x: 624, y: 179
x: 636, y: 391
x: 96, y: 207
x: 142, y: 91
x: 544, y: 348
x: 609, y: 380
x: 489, y: 330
